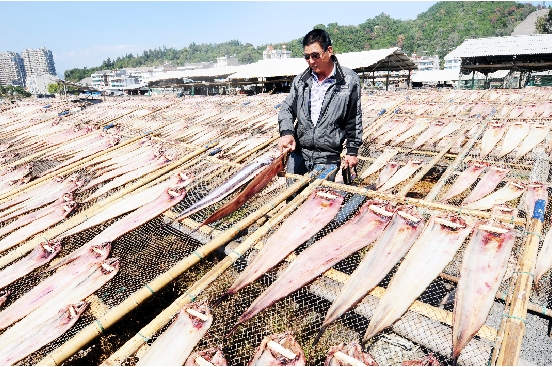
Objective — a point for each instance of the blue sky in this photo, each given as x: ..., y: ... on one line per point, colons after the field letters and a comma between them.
x: 86, y: 33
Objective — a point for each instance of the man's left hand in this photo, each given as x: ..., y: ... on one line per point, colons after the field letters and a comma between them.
x: 350, y: 161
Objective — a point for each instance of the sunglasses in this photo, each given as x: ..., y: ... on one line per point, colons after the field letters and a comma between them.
x: 314, y: 55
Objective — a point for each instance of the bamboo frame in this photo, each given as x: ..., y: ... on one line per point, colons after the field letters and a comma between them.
x: 453, y: 167
x: 115, y: 314
x: 136, y: 342
x: 83, y: 216
x: 512, y: 328
x: 502, y: 297
x: 425, y: 169
x: 424, y: 203
x: 66, y: 169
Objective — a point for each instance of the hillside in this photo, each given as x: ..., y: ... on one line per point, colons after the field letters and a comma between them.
x: 437, y: 31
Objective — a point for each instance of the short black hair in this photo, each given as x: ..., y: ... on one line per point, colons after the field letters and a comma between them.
x: 317, y: 35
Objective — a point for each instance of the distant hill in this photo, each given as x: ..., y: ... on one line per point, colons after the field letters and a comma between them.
x: 440, y: 29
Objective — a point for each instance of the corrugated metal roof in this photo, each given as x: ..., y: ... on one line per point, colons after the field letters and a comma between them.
x: 364, y: 59
x: 435, y: 76
x: 504, y: 46
x: 270, y: 68
x: 452, y: 75
x: 291, y: 67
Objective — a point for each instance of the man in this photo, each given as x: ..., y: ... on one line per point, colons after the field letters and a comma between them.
x: 325, y: 100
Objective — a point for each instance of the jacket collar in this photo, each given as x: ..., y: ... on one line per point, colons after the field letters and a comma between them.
x: 339, y: 75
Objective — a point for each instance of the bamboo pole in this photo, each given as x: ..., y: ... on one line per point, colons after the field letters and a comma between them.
x: 136, y: 342
x: 115, y: 314
x: 7, y: 134
x: 96, y: 208
x: 513, y: 328
x: 423, y: 203
x: 256, y: 149
x: 502, y: 297
x: 65, y: 169
x: 425, y: 169
x: 454, y: 166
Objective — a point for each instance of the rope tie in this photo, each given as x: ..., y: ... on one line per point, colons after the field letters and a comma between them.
x: 189, y: 295
x: 525, y: 272
x: 100, y: 325
x: 504, y: 294
x: 237, y: 253
x: 149, y: 288
x: 544, y: 310
x: 512, y: 220
x: 198, y: 255
x: 460, y: 211
x: 535, y: 233
x: 515, y: 318
x: 146, y: 339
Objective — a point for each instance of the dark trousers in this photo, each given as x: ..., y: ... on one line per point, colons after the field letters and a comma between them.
x: 299, y: 166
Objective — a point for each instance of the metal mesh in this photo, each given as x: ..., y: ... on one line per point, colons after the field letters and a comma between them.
x: 235, y: 119
x: 146, y: 252
x: 303, y: 311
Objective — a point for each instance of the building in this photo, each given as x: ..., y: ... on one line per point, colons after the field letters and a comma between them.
x: 425, y: 63
x: 226, y: 61
x: 12, y: 69
x: 452, y: 62
x: 270, y: 53
x: 38, y: 84
x: 103, y: 78
x: 39, y: 61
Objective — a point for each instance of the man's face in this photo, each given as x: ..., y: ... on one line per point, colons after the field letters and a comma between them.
x: 324, y: 62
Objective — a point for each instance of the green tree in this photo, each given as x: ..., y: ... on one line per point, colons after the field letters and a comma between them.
x: 543, y: 24
x: 54, y: 88
x: 438, y: 30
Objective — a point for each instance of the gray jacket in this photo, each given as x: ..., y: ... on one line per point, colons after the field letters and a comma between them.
x: 340, y: 117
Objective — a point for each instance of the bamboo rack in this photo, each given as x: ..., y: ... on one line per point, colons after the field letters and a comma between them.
x: 425, y: 169
x: 453, y: 167
x: 512, y: 328
x: 131, y: 346
x: 83, y: 216
x: 98, y: 327
x: 64, y: 170
x: 424, y: 203
x: 135, y: 343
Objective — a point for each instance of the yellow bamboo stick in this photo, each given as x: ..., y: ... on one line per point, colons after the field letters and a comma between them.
x: 63, y: 170
x: 425, y: 169
x: 131, y: 346
x: 83, y: 216
x: 423, y: 203
x: 98, y: 327
x: 513, y: 327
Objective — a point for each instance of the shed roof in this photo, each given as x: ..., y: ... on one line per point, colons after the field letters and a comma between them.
x: 504, y: 46
x: 452, y: 75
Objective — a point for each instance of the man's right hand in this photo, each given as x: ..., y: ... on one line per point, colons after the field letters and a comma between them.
x: 286, y: 141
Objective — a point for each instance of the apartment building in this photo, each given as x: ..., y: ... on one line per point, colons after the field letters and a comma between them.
x: 452, y: 62
x: 271, y: 53
x: 12, y: 69
x: 425, y: 63
x: 39, y: 61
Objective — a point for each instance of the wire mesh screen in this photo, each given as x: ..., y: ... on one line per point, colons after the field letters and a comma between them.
x: 147, y: 251
x: 377, y: 179
x: 415, y: 335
